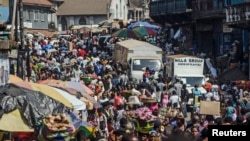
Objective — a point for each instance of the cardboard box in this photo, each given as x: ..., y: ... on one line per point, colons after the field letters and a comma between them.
x: 209, y: 108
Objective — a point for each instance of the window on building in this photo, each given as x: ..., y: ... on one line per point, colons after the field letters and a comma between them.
x: 82, y: 21
x: 36, y: 14
x: 42, y: 15
x: 27, y: 15
x: 30, y: 14
x: 64, y: 24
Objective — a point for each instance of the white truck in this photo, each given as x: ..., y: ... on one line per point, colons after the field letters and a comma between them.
x: 189, y: 69
x: 136, y: 56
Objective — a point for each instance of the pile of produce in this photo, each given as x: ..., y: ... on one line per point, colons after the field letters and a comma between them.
x: 144, y: 120
x: 58, y: 123
x: 144, y: 113
x: 55, y: 127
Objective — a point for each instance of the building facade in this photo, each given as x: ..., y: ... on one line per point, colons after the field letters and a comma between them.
x: 81, y: 12
x: 35, y: 15
x: 175, y: 15
x: 52, y: 17
x: 213, y: 24
x: 212, y: 33
x: 118, y: 9
x: 135, y: 10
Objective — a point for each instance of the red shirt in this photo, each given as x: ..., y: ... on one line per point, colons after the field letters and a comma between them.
x: 146, y: 74
x: 118, y: 101
x: 82, y: 52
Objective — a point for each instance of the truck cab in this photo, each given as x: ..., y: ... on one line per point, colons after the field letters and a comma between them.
x: 189, y: 69
x: 138, y: 66
x: 190, y: 81
x: 137, y: 56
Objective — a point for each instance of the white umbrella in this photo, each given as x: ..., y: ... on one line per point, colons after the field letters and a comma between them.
x: 77, y: 103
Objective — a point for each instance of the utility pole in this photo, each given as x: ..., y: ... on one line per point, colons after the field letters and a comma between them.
x: 21, y: 49
x: 13, y: 20
x: 16, y: 23
x: 21, y: 23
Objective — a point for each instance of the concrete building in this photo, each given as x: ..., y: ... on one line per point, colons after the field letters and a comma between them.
x: 35, y: 16
x: 81, y: 12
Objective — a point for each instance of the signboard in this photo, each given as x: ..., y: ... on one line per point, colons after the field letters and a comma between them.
x: 188, y: 65
x: 27, y: 24
x: 227, y: 29
x: 210, y: 108
x: 4, y: 68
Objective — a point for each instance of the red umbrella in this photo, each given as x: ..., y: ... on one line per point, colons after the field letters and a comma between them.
x: 125, y: 33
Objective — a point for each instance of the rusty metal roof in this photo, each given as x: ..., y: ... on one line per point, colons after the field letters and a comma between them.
x: 83, y: 7
x: 37, y: 2
x: 180, y: 56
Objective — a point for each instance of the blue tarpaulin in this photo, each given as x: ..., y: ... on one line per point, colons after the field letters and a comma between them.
x: 145, y: 24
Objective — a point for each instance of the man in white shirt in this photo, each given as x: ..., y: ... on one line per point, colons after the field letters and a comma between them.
x: 209, y: 95
x: 77, y: 73
x: 38, y: 48
x: 175, y: 100
x: 124, y: 78
x: 178, y: 87
x: 215, y: 91
x: 94, y: 49
x: 95, y: 59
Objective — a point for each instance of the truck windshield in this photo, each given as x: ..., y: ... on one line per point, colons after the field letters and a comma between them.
x: 140, y: 64
x: 192, y: 80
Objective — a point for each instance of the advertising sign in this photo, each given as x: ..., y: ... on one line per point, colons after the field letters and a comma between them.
x: 188, y: 65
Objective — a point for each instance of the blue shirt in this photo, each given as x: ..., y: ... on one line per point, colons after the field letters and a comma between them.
x: 196, y: 92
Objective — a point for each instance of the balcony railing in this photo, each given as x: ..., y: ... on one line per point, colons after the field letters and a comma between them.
x: 164, y: 7
x: 237, y: 14
x: 208, y: 8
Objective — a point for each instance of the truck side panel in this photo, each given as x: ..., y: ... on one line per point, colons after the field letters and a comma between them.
x: 121, y: 54
x: 188, y: 66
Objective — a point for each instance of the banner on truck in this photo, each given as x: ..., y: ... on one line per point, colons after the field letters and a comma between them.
x: 188, y: 65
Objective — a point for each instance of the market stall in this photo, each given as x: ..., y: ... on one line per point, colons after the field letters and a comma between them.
x: 74, y: 88
x: 77, y: 103
x: 23, y: 107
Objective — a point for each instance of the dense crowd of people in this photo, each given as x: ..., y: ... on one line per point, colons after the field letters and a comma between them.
x: 117, y: 118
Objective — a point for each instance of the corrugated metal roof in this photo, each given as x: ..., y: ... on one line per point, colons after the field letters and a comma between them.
x: 83, y: 7
x: 37, y: 2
